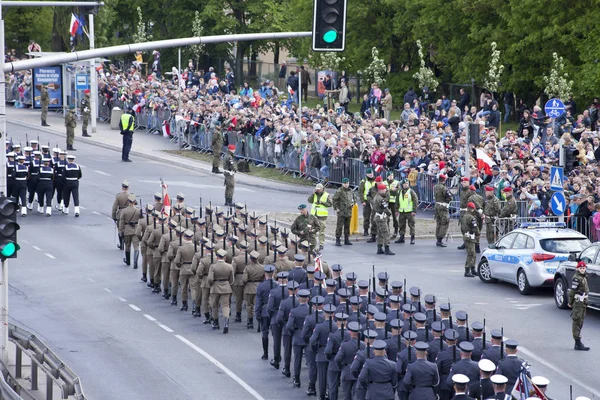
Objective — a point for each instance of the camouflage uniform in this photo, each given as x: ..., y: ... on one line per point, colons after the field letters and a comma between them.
x: 343, y: 201
x: 44, y: 102
x: 508, y: 211
x: 468, y: 224
x: 306, y: 228
x: 491, y: 209
x: 229, y: 170
x: 71, y: 124
x: 381, y: 211
x: 478, y: 200
x: 579, y: 287
x: 217, y: 147
x: 393, y: 190
x: 442, y: 202
x: 364, y: 187
x: 85, y: 110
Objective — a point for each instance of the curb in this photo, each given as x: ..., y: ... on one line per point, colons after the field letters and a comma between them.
x: 181, y: 164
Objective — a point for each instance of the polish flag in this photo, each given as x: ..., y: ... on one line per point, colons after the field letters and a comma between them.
x: 318, y: 266
x: 166, y: 201
x: 137, y: 108
x: 484, y: 162
x: 74, y: 25
x: 166, y: 129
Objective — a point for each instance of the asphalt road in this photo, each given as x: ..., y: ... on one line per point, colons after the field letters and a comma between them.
x: 70, y: 287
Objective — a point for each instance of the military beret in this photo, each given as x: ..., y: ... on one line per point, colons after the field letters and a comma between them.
x: 262, y: 239
x: 380, y: 317
x: 341, y: 316
x: 254, y: 254
x: 188, y: 234
x: 498, y: 379
x: 363, y: 284
x: 420, y: 317
x: 336, y: 267
x: 415, y: 291
x: 317, y: 300
x: 460, y: 379
x: 461, y: 315
x: 301, y: 206
x: 221, y: 253
x: 269, y: 268
x: 409, y: 308
x: 486, y: 365
x: 345, y: 180
x: 497, y: 334
x: 421, y: 346
x: 379, y: 345
x: 305, y: 293
x: 369, y: 171
x: 437, y: 326
x: 330, y: 282
x: 450, y: 334
x: 353, y: 326
x: 351, y: 276
x: 395, y: 298
x: 511, y: 344
x: 370, y: 333
x: 383, y: 276
x: 397, y: 284
x: 299, y: 258
x: 410, y: 335
x: 445, y: 307
x: 320, y: 276
x: 354, y: 300
x: 396, y: 323
x: 329, y: 308
x: 477, y: 326
x: 430, y: 299
x: 131, y: 198
x: 283, y: 275
x: 292, y: 285
x: 466, y: 347
x: 371, y: 309
x: 72, y: 107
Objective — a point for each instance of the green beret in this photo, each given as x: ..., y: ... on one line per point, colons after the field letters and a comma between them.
x: 345, y: 180
x: 72, y: 107
x: 301, y: 206
x: 369, y: 170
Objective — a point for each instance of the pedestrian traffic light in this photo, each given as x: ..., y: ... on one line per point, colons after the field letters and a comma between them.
x: 571, y: 154
x: 8, y: 227
x: 329, y: 25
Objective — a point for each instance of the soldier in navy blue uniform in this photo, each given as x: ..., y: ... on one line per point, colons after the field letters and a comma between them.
x: 59, y: 181
x: 363, y: 294
x: 477, y: 328
x: 394, y: 341
x: 397, y: 289
x: 45, y: 187
x: 27, y: 153
x: 379, y: 375
x: 362, y: 356
x: 276, y: 295
x: 462, y: 326
x: 483, y: 388
x: 351, y: 280
x: 294, y: 325
x: 336, y: 275
x: 285, y: 307
x: 465, y: 365
x: 309, y: 282
x: 380, y: 325
x: 406, y: 356
x: 318, y: 341
x: 444, y: 361
x: 334, y: 342
x: 312, y: 320
x: 46, y: 153
x: 10, y: 172
x: 430, y: 311
x: 408, y: 311
x: 71, y: 187
x: 460, y: 387
x: 499, y: 381
x: 394, y: 311
x: 381, y: 299
x: 298, y: 273
x: 511, y: 365
x: 493, y: 352
x: 331, y: 297
x: 371, y: 311
x: 415, y: 299
x: 20, y: 185
x: 345, y: 356
x: 344, y: 306
x: 423, y: 333
x: 422, y: 377
x: 261, y: 311
x: 382, y: 282
x: 317, y: 289
x: 437, y: 343
x: 34, y: 174
x: 445, y: 313
x: 356, y: 315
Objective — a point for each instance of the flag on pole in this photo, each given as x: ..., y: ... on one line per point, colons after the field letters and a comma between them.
x: 525, y: 389
x: 74, y: 25
x: 166, y: 210
x: 318, y: 266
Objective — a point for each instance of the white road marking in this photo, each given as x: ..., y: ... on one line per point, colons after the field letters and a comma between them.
x: 91, y: 280
x: 96, y: 212
x: 149, y: 317
x: 101, y: 172
x: 197, y: 185
x: 36, y: 248
x: 559, y: 371
x: 107, y: 290
x: 50, y: 256
x: 482, y: 304
x: 109, y: 218
x: 24, y: 241
x: 223, y: 368
x: 83, y: 208
x: 134, y: 307
x: 122, y: 299
x: 166, y: 328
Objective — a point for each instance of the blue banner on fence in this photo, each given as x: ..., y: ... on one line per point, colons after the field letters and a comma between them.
x: 53, y: 77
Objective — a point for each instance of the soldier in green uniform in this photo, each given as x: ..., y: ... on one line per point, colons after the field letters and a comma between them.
x: 44, y: 102
x: 138, y: 245
x: 370, y: 195
x: 343, y: 201
x: 465, y: 196
x: 578, y: 301
x: 121, y: 202
x: 217, y: 147
x: 220, y: 279
x: 229, y: 170
x: 393, y: 189
x: 253, y: 275
x: 491, y: 209
x: 407, y: 202
x: 306, y: 226
x: 442, y: 198
x: 509, y: 211
x: 364, y: 187
x: 320, y: 202
x: 381, y: 213
x: 478, y: 200
x: 183, y: 261
x: 468, y: 224
x: 70, y: 124
x: 85, y: 109
x: 128, y: 220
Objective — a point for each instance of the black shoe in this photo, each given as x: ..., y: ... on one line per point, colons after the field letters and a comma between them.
x: 380, y: 249
x: 150, y: 283
x: 156, y: 289
x: 412, y: 239
x: 250, y: 325
x: 174, y: 300
x: 215, y: 325
x: 579, y: 346
x: 166, y: 294
x: 184, y: 306
x: 394, y: 235
x: 238, y: 317
x: 439, y: 243
x: 372, y: 239
x: 207, y: 319
x: 338, y: 241
x: 296, y: 382
x: 366, y: 233
x: 347, y: 241
x: 468, y: 274
x: 473, y: 272
x: 477, y: 249
x: 462, y: 247
x: 226, y: 327
x: 265, y: 356
x: 400, y: 239
x: 143, y: 279
x: 388, y: 252
x: 286, y: 372
x: 311, y: 392
x: 274, y: 364
x: 127, y: 160
x: 86, y: 135
x: 44, y: 123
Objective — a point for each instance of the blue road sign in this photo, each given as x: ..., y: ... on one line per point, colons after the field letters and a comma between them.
x: 81, y: 82
x: 557, y: 177
x: 554, y: 108
x: 558, y: 203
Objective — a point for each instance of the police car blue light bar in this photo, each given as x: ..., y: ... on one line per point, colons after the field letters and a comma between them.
x: 533, y: 225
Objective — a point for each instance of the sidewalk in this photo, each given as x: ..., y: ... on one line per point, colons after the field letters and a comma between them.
x: 145, y: 145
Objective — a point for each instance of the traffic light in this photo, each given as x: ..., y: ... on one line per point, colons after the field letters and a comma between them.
x: 571, y: 154
x: 8, y: 227
x: 329, y: 25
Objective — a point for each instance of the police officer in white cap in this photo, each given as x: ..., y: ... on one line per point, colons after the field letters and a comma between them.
x: 541, y: 383
x: 72, y: 174
x: 483, y: 388
x: 499, y: 382
x: 460, y: 387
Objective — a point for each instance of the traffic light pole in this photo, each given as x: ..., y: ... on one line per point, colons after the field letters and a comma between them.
x: 3, y: 136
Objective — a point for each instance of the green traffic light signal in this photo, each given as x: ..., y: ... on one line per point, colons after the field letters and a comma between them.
x: 9, y: 249
x: 330, y: 36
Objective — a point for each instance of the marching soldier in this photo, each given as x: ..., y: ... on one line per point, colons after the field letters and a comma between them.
x: 20, y: 185
x: 306, y: 226
x: 276, y: 296
x: 334, y: 342
x: 121, y: 202
x: 220, y: 279
x: 59, y: 182
x: 422, y: 376
x: 407, y: 209
x: 260, y: 309
x: 71, y: 188
x: 217, y: 147
x: 483, y: 388
x: 173, y: 268
x: 44, y: 102
x: 128, y: 220
x: 200, y: 266
x: 252, y: 277
x: 70, y: 124
x: 381, y: 212
x: 85, y: 110
x: 345, y: 356
x: 10, y: 171
x: 393, y: 189
x: 464, y: 365
x: 283, y: 263
x: 140, y: 246
x: 229, y: 170
x: 511, y: 365
x: 162, y: 253
x: 478, y: 200
x: 152, y: 238
x: 34, y: 172
x: 285, y: 307
x: 294, y: 325
x: 362, y: 356
x: 183, y: 261
x: 320, y: 203
x: 491, y: 210
x: 158, y: 204
x: 343, y: 201
x: 509, y: 211
x: 364, y: 188
x: 239, y: 263
x: 469, y: 226
x: 318, y: 342
x: 378, y: 375
x: 578, y: 301
x: 465, y: 195
x: 45, y: 187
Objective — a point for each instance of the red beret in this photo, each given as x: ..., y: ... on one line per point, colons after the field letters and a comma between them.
x: 378, y: 179
x: 470, y: 205
x: 465, y: 179
x: 472, y: 187
x: 442, y: 176
x: 507, y: 189
x: 489, y: 188
x: 86, y: 91
x: 231, y: 147
x: 581, y: 264
x: 381, y: 186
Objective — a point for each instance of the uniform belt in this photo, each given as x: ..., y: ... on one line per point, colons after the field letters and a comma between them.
x: 36, y: 174
x: 221, y: 280
x: 45, y: 179
x: 444, y: 204
x: 120, y: 208
x: 72, y: 179
x: 186, y: 263
x: 254, y: 281
x: 379, y: 382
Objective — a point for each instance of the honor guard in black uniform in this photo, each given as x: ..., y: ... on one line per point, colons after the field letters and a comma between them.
x: 59, y: 178
x: 483, y: 388
x: 511, y: 365
x: 422, y: 377
x: 20, y: 184
x: 260, y: 307
x: 10, y: 172
x: 276, y: 296
x: 464, y: 365
x: 460, y: 387
x: 45, y: 187
x: 34, y: 172
x: 499, y: 382
x: 16, y: 148
x: 72, y: 176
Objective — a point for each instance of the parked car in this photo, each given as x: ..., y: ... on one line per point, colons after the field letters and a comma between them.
x: 529, y: 256
x: 566, y: 270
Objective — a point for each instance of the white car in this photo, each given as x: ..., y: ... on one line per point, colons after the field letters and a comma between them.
x: 529, y: 256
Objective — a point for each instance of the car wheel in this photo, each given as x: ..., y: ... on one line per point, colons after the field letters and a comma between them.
x: 561, y: 293
x: 485, y: 272
x: 523, y: 283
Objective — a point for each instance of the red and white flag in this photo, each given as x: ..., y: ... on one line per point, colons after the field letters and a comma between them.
x: 484, y: 162
x: 137, y: 108
x: 318, y: 266
x: 74, y: 25
x: 166, y: 201
x: 166, y: 129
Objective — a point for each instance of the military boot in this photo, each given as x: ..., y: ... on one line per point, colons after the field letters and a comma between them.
x: 127, y: 259
x: 366, y: 232
x: 207, y: 318
x: 70, y: 147
x: 400, y: 239
x: 174, y: 300
x: 388, y: 252
x: 338, y: 241
x: 238, y: 317
x: 226, y: 326
x: 166, y: 294
x: 347, y: 241
x: 215, y: 324
x: 120, y: 246
x: 156, y: 288
x: 372, y: 239
x: 439, y: 243
x: 579, y: 346
x: 412, y: 239
x: 265, y: 344
x: 462, y: 246
x: 296, y: 381
x: 473, y: 272
x: 477, y: 248
x: 144, y: 278
x: 184, y: 306
x: 468, y: 273
x: 150, y: 283
x: 380, y: 249
x: 394, y: 234
x: 85, y: 134
x: 44, y: 123
x: 311, y: 392
x: 250, y: 324
x: 136, y: 255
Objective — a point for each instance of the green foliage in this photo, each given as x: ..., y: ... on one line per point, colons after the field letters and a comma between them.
x: 22, y: 24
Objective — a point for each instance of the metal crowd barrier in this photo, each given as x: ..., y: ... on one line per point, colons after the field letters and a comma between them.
x: 585, y: 226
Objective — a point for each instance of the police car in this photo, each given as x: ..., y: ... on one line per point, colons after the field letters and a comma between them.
x: 530, y: 255
x: 566, y: 270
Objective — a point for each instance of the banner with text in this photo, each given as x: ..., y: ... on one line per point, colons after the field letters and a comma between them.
x: 52, y: 76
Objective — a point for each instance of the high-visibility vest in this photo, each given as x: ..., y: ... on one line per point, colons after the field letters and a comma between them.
x: 127, y: 122
x: 405, y: 203
x: 368, y: 186
x: 317, y: 208
x: 389, y: 186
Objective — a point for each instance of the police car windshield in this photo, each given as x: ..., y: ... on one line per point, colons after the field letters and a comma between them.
x: 564, y: 245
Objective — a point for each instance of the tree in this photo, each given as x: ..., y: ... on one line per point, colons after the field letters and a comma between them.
x: 376, y: 71
x: 22, y: 24
x: 558, y: 83
x: 197, y: 30
x: 492, y: 79
x: 142, y: 29
x: 425, y: 75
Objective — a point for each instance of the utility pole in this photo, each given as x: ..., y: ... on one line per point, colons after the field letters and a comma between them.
x: 3, y: 136
x: 93, y: 75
